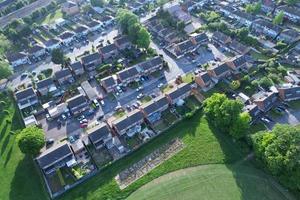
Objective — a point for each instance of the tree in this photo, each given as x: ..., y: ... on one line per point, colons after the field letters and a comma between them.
x: 180, y: 26
x: 57, y: 56
x: 279, y: 150
x: 125, y: 18
x: 253, y: 8
x: 226, y: 115
x: 5, y: 70
x: 143, y: 38
x: 278, y: 18
x: 31, y: 140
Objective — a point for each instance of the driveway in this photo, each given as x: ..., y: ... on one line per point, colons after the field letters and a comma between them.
x: 291, y: 116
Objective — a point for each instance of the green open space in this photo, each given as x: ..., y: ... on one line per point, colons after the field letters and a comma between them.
x: 211, y: 182
x: 18, y: 174
x: 51, y: 17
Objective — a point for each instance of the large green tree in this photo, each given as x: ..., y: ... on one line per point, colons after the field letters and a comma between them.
x: 57, y: 56
x: 279, y: 150
x: 5, y: 70
x: 278, y: 18
x: 31, y: 140
x: 131, y: 26
x: 226, y: 115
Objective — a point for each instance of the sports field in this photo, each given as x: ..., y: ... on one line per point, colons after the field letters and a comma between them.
x: 211, y: 182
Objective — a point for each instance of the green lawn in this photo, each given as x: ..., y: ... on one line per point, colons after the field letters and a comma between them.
x: 202, y: 146
x: 51, y: 17
x: 211, y: 182
x: 19, y: 177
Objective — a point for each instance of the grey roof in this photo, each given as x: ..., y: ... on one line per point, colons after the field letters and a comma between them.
x: 62, y: 73
x: 127, y: 73
x: 293, y: 34
x: 24, y: 93
x: 98, y: 133
x: 44, y: 83
x: 228, y: 9
x: 106, y: 18
x: 53, y: 154
x: 66, y: 35
x: 80, y: 29
x: 108, y: 48
x: 200, y: 37
x: 90, y: 58
x: 122, y: 40
x: 15, y: 56
x: 220, y: 69
x: 108, y: 81
x: 34, y: 49
x: 185, y: 45
x: 252, y: 109
x: 205, y: 77
x: 292, y: 10
x: 291, y: 91
x: 217, y: 35
x: 127, y: 120
x: 155, y: 104
x: 179, y: 91
x: 269, y: 25
x: 76, y: 65
x: 51, y: 42
x: 244, y: 15
x: 157, y: 60
x: 237, y: 46
x: 153, y: 62
x: 92, y: 24
x: 76, y: 100
x: 239, y: 60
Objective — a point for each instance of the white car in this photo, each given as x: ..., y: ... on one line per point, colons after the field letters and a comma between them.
x: 102, y: 102
x: 160, y: 85
x: 96, y: 103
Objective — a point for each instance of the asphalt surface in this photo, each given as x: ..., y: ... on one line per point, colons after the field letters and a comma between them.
x: 23, y: 12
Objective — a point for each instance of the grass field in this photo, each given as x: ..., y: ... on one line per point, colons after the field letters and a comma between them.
x: 18, y: 176
x: 202, y: 146
x: 211, y: 182
x: 50, y: 18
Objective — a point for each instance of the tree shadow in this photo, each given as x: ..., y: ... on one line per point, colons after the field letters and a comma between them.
x: 5, y: 143
x: 3, y: 131
x: 8, y: 156
x: 26, y: 183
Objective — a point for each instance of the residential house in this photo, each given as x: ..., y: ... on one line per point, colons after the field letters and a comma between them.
x: 151, y: 65
x: 81, y: 31
x: 265, y: 100
x: 199, y: 39
x: 184, y: 47
x: 26, y: 98
x: 290, y: 12
x: 106, y: 20
x: 129, y: 124
x: 266, y: 27
x: 67, y: 37
x: 109, y: 84
x: 268, y: 6
x: 128, y: 75
x: 238, y: 48
x: 253, y: 111
x: 94, y: 25
x: 220, y: 38
x: 52, y: 44
x: 56, y: 157
x: 17, y: 59
x: 191, y: 5
x: 99, y: 135
x: 123, y: 43
x: 77, y: 68
x: 108, y: 51
x: 57, y: 110
x: 70, y: 8
x: 152, y: 110
x: 77, y: 104
x: 289, y: 36
x: 36, y: 51
x: 176, y: 11
x: 219, y: 72
x: 204, y: 81
x: 64, y: 76
x: 134, y: 6
x: 91, y: 61
x: 179, y: 93
x: 289, y: 92
x: 243, y: 17
x: 46, y: 86
x: 238, y: 63
x: 227, y: 11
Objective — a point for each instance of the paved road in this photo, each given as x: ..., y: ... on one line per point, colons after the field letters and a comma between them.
x: 23, y: 12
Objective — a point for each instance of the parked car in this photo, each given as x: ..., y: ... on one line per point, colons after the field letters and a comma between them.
x: 96, y: 103
x: 160, y: 85
x: 81, y: 118
x: 139, y: 96
x: 102, y: 102
x: 83, y: 125
x: 49, y: 141
x: 83, y: 121
x: 139, y: 88
x: 63, y: 116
